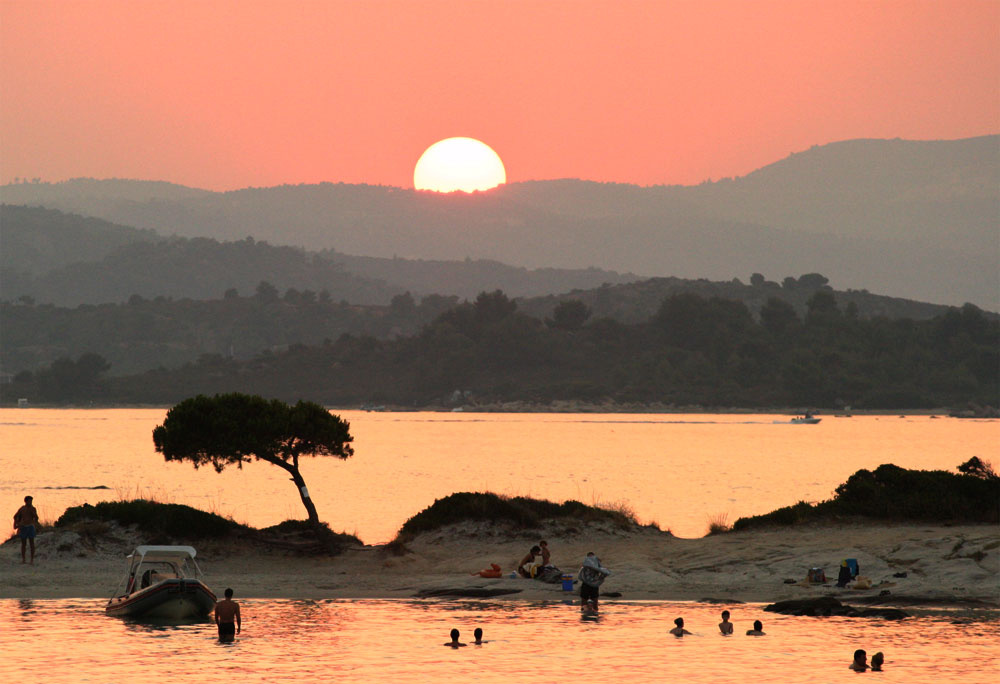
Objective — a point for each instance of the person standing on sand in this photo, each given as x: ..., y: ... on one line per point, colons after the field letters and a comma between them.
x: 25, y: 522
x: 726, y: 627
x: 227, y: 617
x: 592, y: 574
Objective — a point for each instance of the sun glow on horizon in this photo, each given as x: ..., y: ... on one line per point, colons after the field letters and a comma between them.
x: 459, y: 164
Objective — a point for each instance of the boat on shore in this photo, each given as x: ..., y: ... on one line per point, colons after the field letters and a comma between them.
x: 158, y: 583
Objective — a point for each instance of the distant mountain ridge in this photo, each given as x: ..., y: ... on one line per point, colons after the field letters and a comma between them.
x: 914, y: 219
x: 66, y: 259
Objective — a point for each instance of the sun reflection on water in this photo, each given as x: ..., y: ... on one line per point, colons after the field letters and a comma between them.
x: 397, y: 641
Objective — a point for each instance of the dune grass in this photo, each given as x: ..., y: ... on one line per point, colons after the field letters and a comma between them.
x: 719, y: 524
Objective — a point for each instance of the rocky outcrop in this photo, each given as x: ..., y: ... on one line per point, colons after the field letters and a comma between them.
x: 826, y: 606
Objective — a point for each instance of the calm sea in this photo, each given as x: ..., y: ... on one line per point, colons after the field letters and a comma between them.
x: 676, y: 470
x: 70, y: 641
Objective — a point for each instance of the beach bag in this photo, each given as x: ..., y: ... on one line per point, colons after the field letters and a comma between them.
x: 816, y: 575
x: 549, y: 574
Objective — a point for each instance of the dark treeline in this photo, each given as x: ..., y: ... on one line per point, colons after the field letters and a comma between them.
x: 162, y: 332
x: 143, y: 333
x: 693, y: 351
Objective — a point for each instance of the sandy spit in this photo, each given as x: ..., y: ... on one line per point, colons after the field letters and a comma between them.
x: 946, y: 563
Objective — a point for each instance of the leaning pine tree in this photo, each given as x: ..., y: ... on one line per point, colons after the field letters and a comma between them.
x: 235, y: 428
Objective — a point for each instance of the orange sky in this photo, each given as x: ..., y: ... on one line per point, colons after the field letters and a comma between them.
x: 226, y: 95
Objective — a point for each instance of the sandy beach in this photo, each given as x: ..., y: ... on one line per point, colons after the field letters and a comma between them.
x: 949, y: 564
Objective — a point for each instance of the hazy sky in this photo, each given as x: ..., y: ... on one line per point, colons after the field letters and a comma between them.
x: 225, y: 95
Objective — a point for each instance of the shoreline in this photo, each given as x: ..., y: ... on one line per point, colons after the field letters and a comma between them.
x: 567, y: 406
x: 945, y: 565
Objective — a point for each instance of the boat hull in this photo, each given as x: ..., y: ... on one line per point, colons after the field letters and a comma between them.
x: 170, y: 598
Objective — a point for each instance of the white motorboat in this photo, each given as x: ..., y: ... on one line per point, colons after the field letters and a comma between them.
x: 158, y: 583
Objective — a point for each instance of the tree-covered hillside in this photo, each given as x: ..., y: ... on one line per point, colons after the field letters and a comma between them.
x: 693, y: 351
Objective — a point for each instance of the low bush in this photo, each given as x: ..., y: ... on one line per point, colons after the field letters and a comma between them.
x: 158, y: 520
x: 519, y: 511
x: 894, y: 493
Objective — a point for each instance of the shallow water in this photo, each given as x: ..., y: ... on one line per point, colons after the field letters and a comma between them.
x: 401, y: 641
x: 676, y: 470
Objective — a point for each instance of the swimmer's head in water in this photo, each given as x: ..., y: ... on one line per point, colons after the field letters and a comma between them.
x: 758, y: 625
x: 478, y: 633
x: 725, y: 615
x: 878, y: 659
x: 679, y: 622
x: 454, y: 635
x: 229, y: 593
x: 860, y: 655
x: 28, y: 499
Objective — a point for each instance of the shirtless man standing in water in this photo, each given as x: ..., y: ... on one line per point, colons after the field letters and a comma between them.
x: 25, y: 522
x: 227, y: 617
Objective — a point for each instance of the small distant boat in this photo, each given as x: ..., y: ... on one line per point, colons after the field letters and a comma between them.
x: 807, y: 419
x: 158, y: 584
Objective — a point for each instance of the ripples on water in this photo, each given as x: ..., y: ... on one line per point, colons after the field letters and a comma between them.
x: 58, y: 641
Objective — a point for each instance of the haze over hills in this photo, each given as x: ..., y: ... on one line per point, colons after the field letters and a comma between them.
x: 905, y: 218
x: 68, y: 260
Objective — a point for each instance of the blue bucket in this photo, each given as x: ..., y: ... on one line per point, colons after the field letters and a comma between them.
x: 567, y: 582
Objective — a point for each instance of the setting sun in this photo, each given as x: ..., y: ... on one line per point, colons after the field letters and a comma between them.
x: 458, y: 164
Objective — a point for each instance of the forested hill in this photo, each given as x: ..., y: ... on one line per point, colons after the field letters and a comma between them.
x: 692, y: 352
x: 914, y: 219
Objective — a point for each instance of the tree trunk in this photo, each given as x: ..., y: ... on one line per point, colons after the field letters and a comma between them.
x: 307, y: 502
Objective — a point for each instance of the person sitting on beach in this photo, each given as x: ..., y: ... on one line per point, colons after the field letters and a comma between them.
x: 478, y: 633
x: 227, y: 617
x: 726, y: 627
x: 679, y: 630
x: 758, y: 629
x: 524, y: 567
x: 25, y: 522
x: 877, y: 661
x: 454, y: 643
x: 860, y: 663
x: 546, y: 554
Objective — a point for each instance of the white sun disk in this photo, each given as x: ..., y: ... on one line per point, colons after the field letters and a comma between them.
x: 459, y: 164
